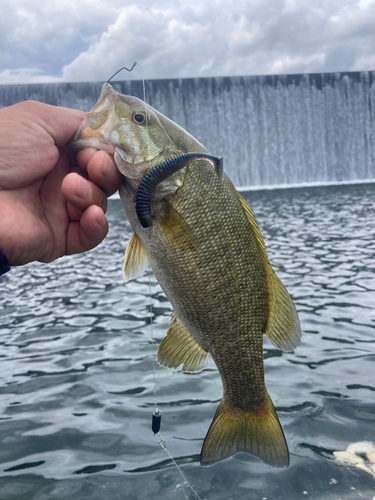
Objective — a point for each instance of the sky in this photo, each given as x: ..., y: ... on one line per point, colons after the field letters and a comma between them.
x: 88, y: 40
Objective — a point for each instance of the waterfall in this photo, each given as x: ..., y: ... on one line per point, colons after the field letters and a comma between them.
x: 271, y: 130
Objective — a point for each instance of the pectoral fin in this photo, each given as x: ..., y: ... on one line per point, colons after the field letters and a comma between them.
x: 173, y: 226
x: 283, y: 327
x: 135, y: 260
x: 179, y: 346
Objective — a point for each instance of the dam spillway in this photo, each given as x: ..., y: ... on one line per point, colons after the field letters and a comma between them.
x: 271, y: 130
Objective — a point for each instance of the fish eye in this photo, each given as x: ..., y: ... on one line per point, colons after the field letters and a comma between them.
x: 139, y: 118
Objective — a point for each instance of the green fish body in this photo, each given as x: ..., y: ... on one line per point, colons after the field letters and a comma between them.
x: 208, y: 255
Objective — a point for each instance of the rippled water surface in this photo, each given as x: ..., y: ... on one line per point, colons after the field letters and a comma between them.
x: 76, y: 371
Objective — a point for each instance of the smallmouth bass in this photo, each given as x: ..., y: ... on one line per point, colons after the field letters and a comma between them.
x: 206, y: 251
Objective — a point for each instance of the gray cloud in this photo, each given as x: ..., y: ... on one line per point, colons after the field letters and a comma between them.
x: 40, y: 38
x: 90, y: 39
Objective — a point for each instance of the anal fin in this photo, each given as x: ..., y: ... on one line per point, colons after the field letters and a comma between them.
x: 179, y: 346
x: 135, y: 259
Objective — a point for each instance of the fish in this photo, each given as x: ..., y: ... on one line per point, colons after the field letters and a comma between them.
x: 207, y: 253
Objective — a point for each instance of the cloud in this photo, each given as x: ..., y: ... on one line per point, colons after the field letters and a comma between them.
x: 367, y: 61
x: 90, y: 39
x: 43, y: 36
x: 163, y: 42
x: 29, y: 75
x: 297, y: 64
x: 221, y: 38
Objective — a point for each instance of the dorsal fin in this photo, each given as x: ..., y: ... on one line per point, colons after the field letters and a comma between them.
x: 135, y: 259
x: 250, y: 217
x: 283, y: 327
x: 179, y: 346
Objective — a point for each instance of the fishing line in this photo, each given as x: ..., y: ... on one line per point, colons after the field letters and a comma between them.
x: 156, y: 416
x: 149, y: 268
x: 152, y: 341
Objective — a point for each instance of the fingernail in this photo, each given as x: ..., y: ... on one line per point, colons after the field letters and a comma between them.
x: 108, y: 169
x: 101, y: 220
x: 84, y: 190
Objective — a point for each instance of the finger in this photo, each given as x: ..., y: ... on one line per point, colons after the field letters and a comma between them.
x: 72, y: 155
x: 103, y: 172
x: 84, y: 156
x: 78, y: 171
x: 88, y: 232
x: 73, y: 213
x: 61, y: 123
x: 81, y: 193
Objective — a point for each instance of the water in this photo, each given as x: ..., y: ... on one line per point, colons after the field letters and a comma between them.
x: 274, y: 130
x: 76, y: 368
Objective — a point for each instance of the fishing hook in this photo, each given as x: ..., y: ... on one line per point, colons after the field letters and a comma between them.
x: 131, y: 69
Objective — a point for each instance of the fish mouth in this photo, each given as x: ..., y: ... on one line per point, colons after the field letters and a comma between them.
x: 134, y: 168
x: 86, y: 137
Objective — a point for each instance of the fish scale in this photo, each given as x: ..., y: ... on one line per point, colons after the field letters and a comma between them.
x: 208, y: 255
x: 226, y: 287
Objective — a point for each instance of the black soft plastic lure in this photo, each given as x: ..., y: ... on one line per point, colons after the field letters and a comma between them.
x: 158, y: 174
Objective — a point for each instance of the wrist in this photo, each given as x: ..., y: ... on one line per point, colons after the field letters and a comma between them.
x: 4, y: 264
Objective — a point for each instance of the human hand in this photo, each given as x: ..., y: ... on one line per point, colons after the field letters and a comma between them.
x: 52, y: 200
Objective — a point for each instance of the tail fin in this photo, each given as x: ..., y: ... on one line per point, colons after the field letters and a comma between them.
x: 257, y: 432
